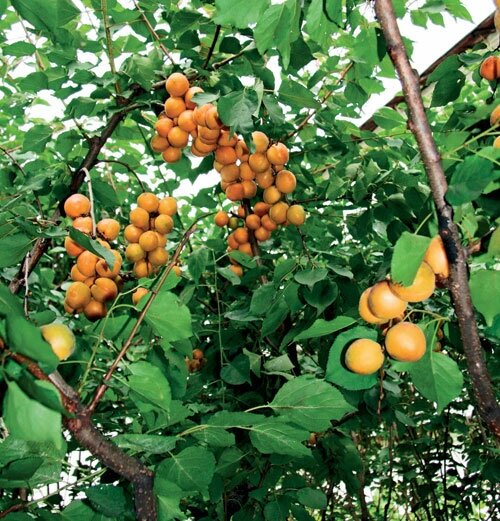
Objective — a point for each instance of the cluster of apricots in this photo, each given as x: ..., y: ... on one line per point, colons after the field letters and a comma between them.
x: 196, y: 362
x: 385, y: 303
x: 490, y: 70
x: 95, y: 283
x: 150, y: 223
x: 242, y: 173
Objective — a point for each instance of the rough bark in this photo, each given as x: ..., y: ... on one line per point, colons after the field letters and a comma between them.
x: 459, y: 280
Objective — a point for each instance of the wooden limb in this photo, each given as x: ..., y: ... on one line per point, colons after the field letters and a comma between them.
x: 212, y: 47
x: 459, y: 280
x: 109, y: 43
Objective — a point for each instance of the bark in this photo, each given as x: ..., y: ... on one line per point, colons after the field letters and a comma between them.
x: 459, y: 280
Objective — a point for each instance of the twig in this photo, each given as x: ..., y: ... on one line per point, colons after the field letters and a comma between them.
x: 127, y: 166
x: 304, y: 122
x: 459, y: 284
x: 91, y: 197
x: 109, y: 43
x: 154, y: 34
x: 26, y: 284
x: 14, y: 161
x: 154, y: 292
x: 225, y: 61
x: 391, y: 464
x: 212, y: 47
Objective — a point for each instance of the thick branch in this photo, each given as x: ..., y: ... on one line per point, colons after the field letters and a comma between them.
x: 459, y: 283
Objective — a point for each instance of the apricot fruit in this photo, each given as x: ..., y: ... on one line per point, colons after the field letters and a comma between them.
x: 237, y: 270
x: 177, y: 84
x: 436, y: 258
x: 76, y: 275
x: 252, y: 221
x: 76, y: 205
x: 285, y: 182
x: 226, y: 140
x: 148, y: 201
x: 72, y: 248
x: 420, y: 289
x: 83, y: 224
x: 260, y: 140
x: 158, y: 257
x: 212, y: 119
x: 78, y: 295
x: 164, y: 224
x: 168, y: 206
x: 490, y: 68
x: 364, y: 356
x: 260, y: 208
x: 199, y: 114
x: 495, y: 115
x: 140, y: 218
x: 60, y: 338
x: 109, y: 229
x: 174, y: 106
x: 163, y: 126
x: 241, y: 235
x: 277, y: 154
x: 225, y: 155
x: 94, y: 310
x: 364, y: 310
x: 230, y: 173
x: 246, y: 173
x: 264, y: 179
x: 198, y: 354
x: 246, y: 248
x: 178, y: 138
x: 103, y: 269
x: 278, y: 212
x: 189, y: 96
x: 235, y: 192
x: 86, y: 263
x: 134, y: 252
x: 162, y: 239
x: 232, y: 242
x: 233, y: 223
x: 262, y: 234
x: 258, y: 162
x: 158, y: 143
x: 383, y: 303
x: 143, y: 269
x: 405, y: 342
x: 296, y: 215
x: 186, y: 122
x: 148, y: 241
x: 138, y: 294
x: 104, y: 289
x: 271, y: 195
x: 249, y: 189
x: 267, y: 223
x: 132, y: 233
x: 221, y: 219
x: 171, y: 154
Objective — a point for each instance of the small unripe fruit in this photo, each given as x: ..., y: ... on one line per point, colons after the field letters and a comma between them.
x: 60, y: 338
x: 233, y: 223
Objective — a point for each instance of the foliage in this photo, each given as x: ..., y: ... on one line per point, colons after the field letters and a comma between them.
x: 234, y: 439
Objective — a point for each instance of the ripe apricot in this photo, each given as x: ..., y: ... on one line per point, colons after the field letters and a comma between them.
x: 138, y: 294
x: 221, y: 219
x: 262, y: 234
x: 60, y: 338
x: 132, y: 233
x: 364, y: 310
x: 271, y: 195
x: 108, y: 228
x: 296, y: 215
x: 134, y: 252
x: 364, y: 356
x: 171, y: 154
x: 158, y: 257
x: 174, y: 106
x: 83, y: 224
x: 163, y: 126
x: 186, y: 122
x: 242, y: 150
x: 260, y: 140
x: 104, y: 244
x: 490, y: 68
x: 228, y: 140
x: 158, y: 143
x: 241, y: 235
x: 225, y: 155
x: 76, y: 205
x: 241, y: 211
x: 148, y: 201
x: 285, y: 182
x: 246, y: 248
x: 252, y: 221
x: 104, y: 289
x: 86, y: 263
x: 76, y: 275
x: 237, y: 270
x: 177, y: 84
x: 235, y: 192
x: 78, y: 295
x: 495, y: 115
x: 94, y: 310
x: 496, y: 143
x: 198, y: 354
x: 89, y: 281
x: 148, y: 241
x: 140, y: 218
x: 249, y: 189
x: 405, y: 342
x: 232, y: 242
x: 277, y: 154
x: 178, y: 138
x: 230, y: 173
x: 383, y: 303
x: 246, y: 173
x: 436, y: 258
x: 189, y: 96
x: 177, y: 270
x: 267, y: 223
x: 164, y: 224
x: 103, y: 269
x: 68, y: 308
x: 264, y: 179
x: 261, y: 208
x: 421, y: 288
x: 142, y: 269
x: 278, y: 212
x: 201, y: 149
x: 258, y: 162
x: 199, y: 114
x: 162, y: 239
x: 73, y: 249
x: 218, y: 166
x: 168, y: 206
x: 212, y: 119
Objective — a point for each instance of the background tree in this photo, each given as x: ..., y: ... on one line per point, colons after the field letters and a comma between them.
x: 270, y: 424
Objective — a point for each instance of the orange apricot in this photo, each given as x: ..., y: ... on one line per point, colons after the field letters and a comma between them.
x: 225, y: 155
x: 262, y: 234
x: 235, y: 192
x: 242, y: 150
x: 261, y: 208
x: 148, y: 241
x: 364, y: 356
x: 158, y: 143
x: 221, y: 219
x: 241, y: 235
x: 199, y: 114
x: 237, y: 270
x: 260, y: 140
x: 171, y: 154
x: 189, y: 96
x: 246, y: 173
x: 258, y: 162
x: 86, y: 264
x: 132, y: 233
x: 78, y: 295
x: 163, y: 126
x: 420, y: 289
x: 148, y: 201
x: 94, y: 310
x: 230, y: 173
x: 186, y: 122
x: 268, y: 223
x: 277, y: 154
x: 296, y: 215
x: 178, y: 138
x: 142, y: 269
x: 383, y: 303
x: 158, y: 257
x: 140, y: 218
x: 364, y: 310
x: 271, y: 195
x: 177, y: 84
x: 252, y: 221
x: 278, y: 212
x: 104, y: 270
x: 164, y: 224
x: 285, y: 182
x: 495, y: 115
x: 83, y: 224
x: 104, y: 289
x: 436, y: 258
x: 490, y: 68
x: 168, y: 206
x: 108, y: 228
x: 246, y: 248
x: 174, y: 107
x: 134, y: 252
x: 212, y: 119
x: 226, y: 140
x: 73, y: 249
x: 138, y: 294
x: 264, y: 179
x: 76, y: 274
x: 76, y: 205
x: 405, y: 342
x: 249, y: 189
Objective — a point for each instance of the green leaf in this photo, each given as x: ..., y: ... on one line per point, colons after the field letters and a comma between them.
x: 470, y: 179
x: 321, y: 295
x: 318, y: 26
x: 297, y: 96
x: 19, y: 49
x: 447, y: 89
x: 191, y: 470
x: 276, y: 437
x: 310, y: 403
x: 237, y: 372
x: 36, y: 423
x: 237, y: 13
x: 169, y: 319
x: 9, y: 304
x: 243, y: 259
x: 46, y: 16
x: 108, y: 499
x: 148, y: 443
x: 388, y: 119
x: 150, y: 384
x: 281, y: 364
x: 274, y: 318
x: 93, y: 246
x: 409, y: 252
x: 311, y: 497
x: 13, y: 248
x: 37, y: 138
x: 197, y: 263
x: 309, y: 277
x: 25, y: 338
x: 337, y: 373
x: 215, y: 436
x: 169, y: 496
x: 237, y: 108
x: 273, y: 109
x: 485, y: 288
x: 323, y: 327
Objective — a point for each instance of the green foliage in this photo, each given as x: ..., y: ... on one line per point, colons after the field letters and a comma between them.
x: 272, y: 426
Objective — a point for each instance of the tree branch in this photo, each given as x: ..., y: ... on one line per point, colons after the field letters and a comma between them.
x: 459, y: 283
x: 212, y: 47
x: 109, y: 43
